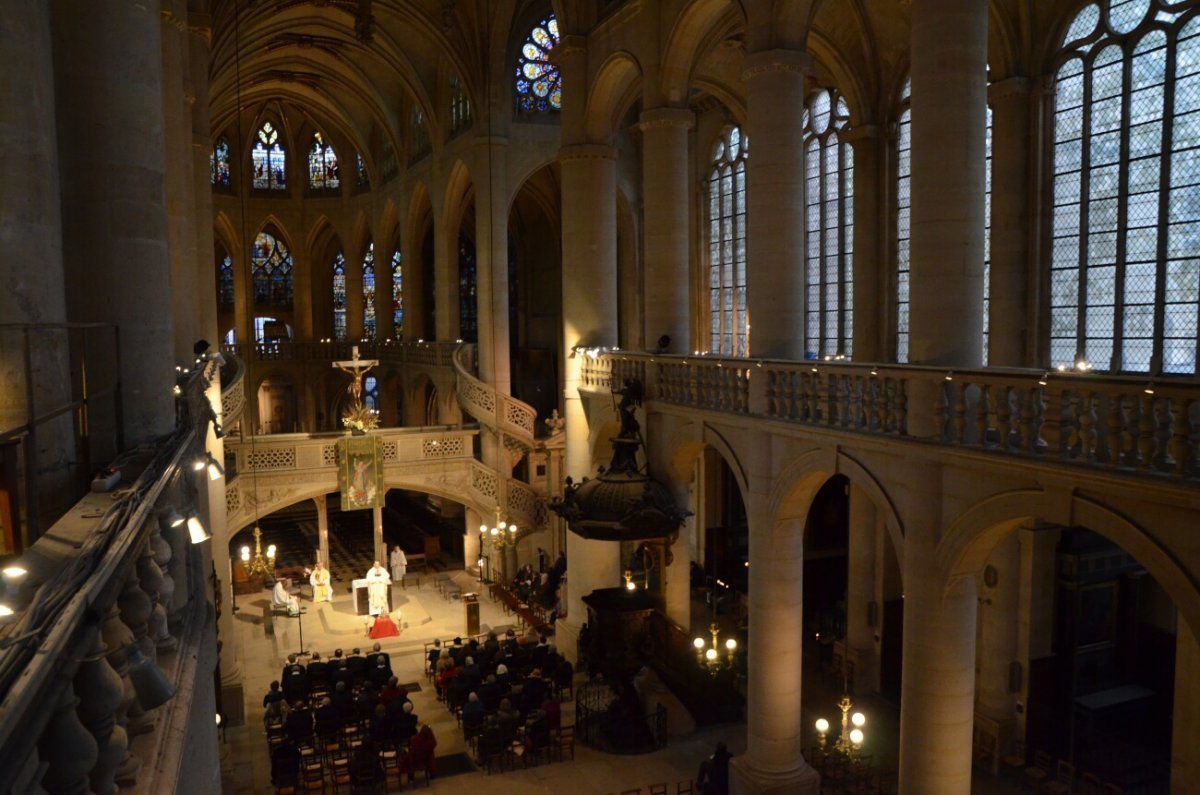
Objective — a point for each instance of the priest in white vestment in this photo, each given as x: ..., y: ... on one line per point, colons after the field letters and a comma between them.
x: 378, y: 582
x: 322, y: 592
x: 280, y: 597
x: 399, y: 564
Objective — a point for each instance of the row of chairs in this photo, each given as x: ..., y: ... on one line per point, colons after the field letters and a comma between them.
x: 1043, y: 774
x: 681, y: 788
x: 856, y: 775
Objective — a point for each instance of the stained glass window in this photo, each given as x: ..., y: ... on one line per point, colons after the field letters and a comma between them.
x: 1125, y: 262
x: 829, y: 226
x: 903, y: 219
x: 460, y: 106
x: 269, y: 160
x: 323, y: 172
x: 468, y: 318
x: 219, y: 164
x: 225, y: 283
x: 339, y: 297
x: 419, y: 138
x: 369, y: 325
x: 371, y: 393
x: 987, y: 232
x: 271, y: 271
x: 361, y: 178
x: 729, y: 332
x: 538, y: 85
x: 397, y: 293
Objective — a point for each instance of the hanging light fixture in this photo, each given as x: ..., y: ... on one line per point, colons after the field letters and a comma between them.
x: 258, y: 564
x: 850, y: 740
x: 500, y: 533
x: 710, y: 655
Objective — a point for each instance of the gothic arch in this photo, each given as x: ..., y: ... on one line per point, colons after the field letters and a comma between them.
x: 683, y: 44
x: 970, y: 539
x: 616, y: 85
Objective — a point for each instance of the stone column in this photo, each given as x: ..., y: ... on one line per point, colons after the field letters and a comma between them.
x: 445, y: 278
x: 1185, y: 730
x: 949, y: 114
x: 998, y: 635
x: 1013, y: 150
x: 870, y: 222
x: 31, y: 271
x: 938, y: 681
x: 491, y: 261
x: 677, y: 585
x: 1035, y: 605
x: 773, y: 762
x: 860, y: 635
x: 109, y: 94
x: 472, y: 546
x: 322, y: 528
x: 775, y: 192
x: 666, y: 208
x: 196, y: 95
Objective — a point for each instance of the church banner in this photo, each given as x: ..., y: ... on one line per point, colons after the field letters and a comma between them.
x: 360, y: 472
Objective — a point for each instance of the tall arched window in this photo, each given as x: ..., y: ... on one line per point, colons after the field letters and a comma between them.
x: 388, y: 166
x: 270, y: 161
x: 538, y: 84
x: 468, y: 317
x: 419, y: 144
x: 460, y: 106
x: 369, y: 324
x: 225, y: 283
x: 339, y: 297
x: 323, y: 172
x: 219, y: 164
x: 271, y: 271
x: 727, y: 244
x: 397, y: 293
x: 1125, y: 263
x: 361, y: 178
x: 903, y: 217
x: 829, y: 225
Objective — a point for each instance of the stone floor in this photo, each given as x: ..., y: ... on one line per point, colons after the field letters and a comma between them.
x: 425, y: 614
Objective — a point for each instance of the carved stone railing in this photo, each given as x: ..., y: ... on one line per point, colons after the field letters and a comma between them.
x: 522, y: 505
x: 112, y: 642
x: 302, y: 452
x: 429, y: 354
x: 493, y: 409
x: 233, y: 389
x: 1118, y: 423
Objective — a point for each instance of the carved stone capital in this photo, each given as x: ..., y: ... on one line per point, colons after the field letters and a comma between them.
x: 666, y: 117
x: 771, y: 61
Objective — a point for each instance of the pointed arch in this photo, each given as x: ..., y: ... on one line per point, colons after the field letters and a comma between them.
x: 683, y: 44
x: 616, y: 86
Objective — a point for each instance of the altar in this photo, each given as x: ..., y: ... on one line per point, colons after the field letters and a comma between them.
x: 362, y: 601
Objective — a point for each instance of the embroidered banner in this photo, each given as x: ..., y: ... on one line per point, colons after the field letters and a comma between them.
x: 360, y: 472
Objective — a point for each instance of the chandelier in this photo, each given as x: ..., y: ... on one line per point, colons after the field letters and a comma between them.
x: 258, y: 565
x: 709, y: 655
x: 849, y: 741
x: 500, y: 533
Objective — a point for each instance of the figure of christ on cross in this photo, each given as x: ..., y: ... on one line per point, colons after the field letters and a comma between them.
x: 357, y: 368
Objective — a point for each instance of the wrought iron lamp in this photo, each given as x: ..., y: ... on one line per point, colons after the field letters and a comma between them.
x: 710, y: 656
x: 501, y: 534
x: 850, y: 740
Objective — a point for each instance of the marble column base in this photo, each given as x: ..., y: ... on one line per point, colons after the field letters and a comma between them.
x: 745, y: 780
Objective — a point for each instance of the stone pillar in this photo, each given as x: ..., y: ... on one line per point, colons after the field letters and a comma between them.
x: 775, y: 196
x: 472, y: 542
x: 354, y: 292
x: 938, y: 681
x: 196, y: 95
x: 31, y: 271
x: 445, y: 278
x: 101, y: 693
x: 949, y: 114
x: 68, y: 748
x: 666, y: 208
x: 322, y: 528
x: 860, y: 635
x: 1013, y: 149
x: 998, y: 636
x: 773, y: 762
x: 491, y: 262
x: 377, y: 525
x: 677, y: 588
x: 1185, y: 729
x: 109, y: 94
x: 870, y: 222
x: 1035, y: 605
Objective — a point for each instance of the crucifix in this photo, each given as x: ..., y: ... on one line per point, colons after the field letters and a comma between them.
x: 357, y: 368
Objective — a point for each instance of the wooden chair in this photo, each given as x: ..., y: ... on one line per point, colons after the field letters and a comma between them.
x: 1038, y: 773
x: 312, y: 779
x: 658, y: 789
x: 389, y: 759
x: 1013, y: 765
x: 341, y: 775
x: 684, y: 787
x: 1064, y: 779
x: 566, y: 742
x: 631, y: 792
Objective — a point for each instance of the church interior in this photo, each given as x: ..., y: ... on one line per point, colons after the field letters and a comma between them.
x: 663, y: 396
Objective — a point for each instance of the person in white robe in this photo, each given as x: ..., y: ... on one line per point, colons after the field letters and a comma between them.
x: 399, y: 564
x: 322, y: 592
x: 378, y: 582
x: 280, y: 597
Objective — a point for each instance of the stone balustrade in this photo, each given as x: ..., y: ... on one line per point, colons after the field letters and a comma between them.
x: 429, y: 354
x: 111, y: 621
x: 493, y: 409
x: 1126, y: 424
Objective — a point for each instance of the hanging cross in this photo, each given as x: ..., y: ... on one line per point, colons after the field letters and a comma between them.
x: 357, y: 368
